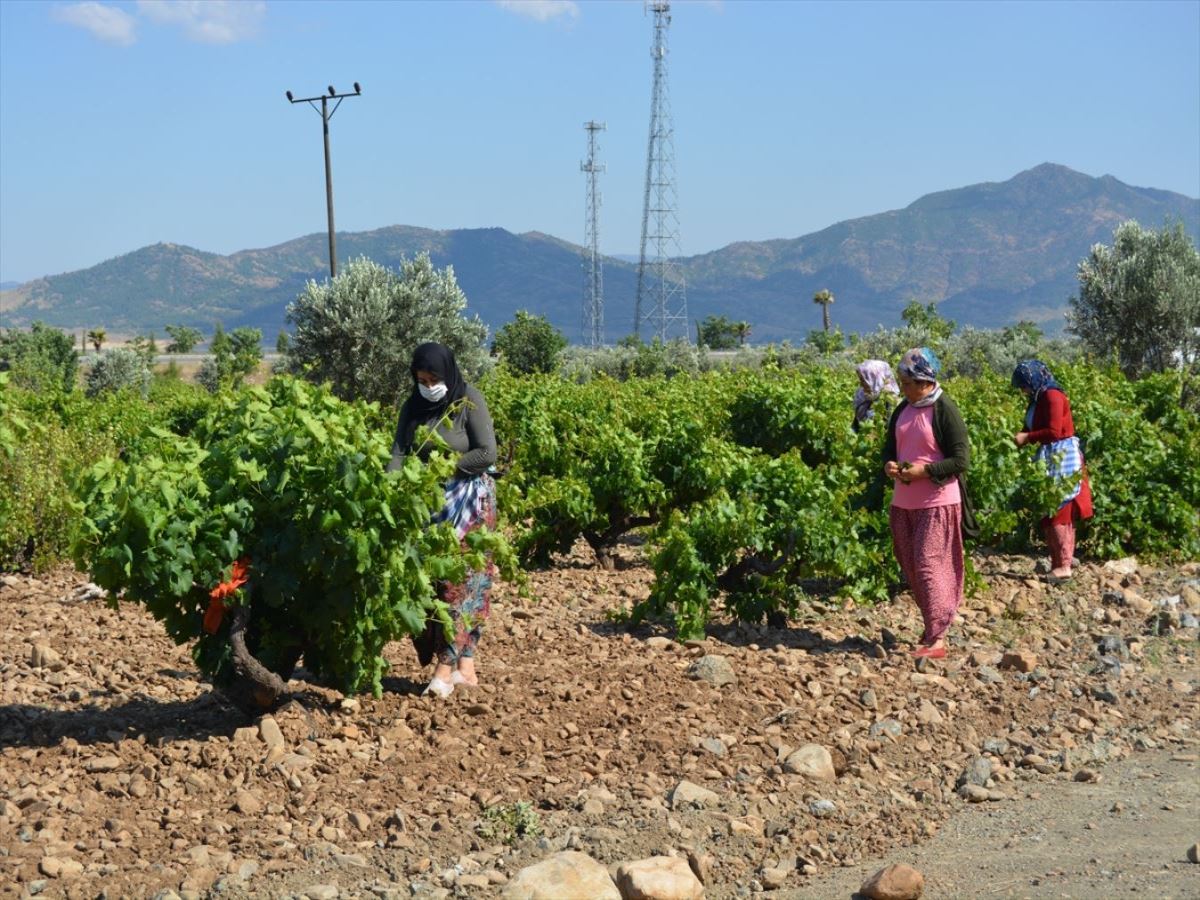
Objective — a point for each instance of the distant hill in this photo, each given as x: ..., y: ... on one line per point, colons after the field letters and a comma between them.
x: 990, y: 254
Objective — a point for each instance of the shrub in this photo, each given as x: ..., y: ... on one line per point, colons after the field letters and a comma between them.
x: 529, y: 344
x: 145, y: 346
x: 38, y: 513
x: 972, y: 352
x: 41, y: 359
x: 38, y: 516
x: 720, y: 333
x: 119, y: 370
x: 178, y: 405
x: 341, y: 553
x: 234, y: 355
x: 634, y: 359
x: 183, y: 338
x: 46, y: 439
x: 827, y: 342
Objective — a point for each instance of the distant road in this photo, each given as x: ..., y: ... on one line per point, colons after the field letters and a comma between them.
x: 165, y: 358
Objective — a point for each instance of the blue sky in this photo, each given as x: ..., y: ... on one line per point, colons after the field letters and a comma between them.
x: 127, y: 123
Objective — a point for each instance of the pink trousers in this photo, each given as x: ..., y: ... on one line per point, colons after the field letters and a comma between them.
x: 1061, y: 540
x: 928, y: 546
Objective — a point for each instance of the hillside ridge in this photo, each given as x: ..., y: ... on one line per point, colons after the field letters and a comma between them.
x: 990, y: 254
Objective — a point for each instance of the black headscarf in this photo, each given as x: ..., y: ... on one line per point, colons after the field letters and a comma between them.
x: 437, y: 359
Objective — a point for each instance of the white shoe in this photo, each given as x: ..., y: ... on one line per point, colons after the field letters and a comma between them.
x: 457, y: 678
x: 439, y: 688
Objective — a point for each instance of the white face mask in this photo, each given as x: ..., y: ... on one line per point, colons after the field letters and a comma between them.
x: 433, y: 393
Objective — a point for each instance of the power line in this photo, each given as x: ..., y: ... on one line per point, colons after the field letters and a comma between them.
x: 660, y: 280
x: 326, y: 115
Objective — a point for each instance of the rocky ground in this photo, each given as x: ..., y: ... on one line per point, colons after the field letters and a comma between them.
x: 767, y: 760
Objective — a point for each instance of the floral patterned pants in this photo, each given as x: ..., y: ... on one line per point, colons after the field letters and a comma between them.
x: 470, y: 601
x: 928, y: 546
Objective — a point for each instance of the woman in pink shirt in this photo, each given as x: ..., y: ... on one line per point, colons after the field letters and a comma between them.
x: 925, y: 453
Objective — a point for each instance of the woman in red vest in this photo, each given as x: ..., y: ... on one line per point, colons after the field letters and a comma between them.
x: 1048, y: 423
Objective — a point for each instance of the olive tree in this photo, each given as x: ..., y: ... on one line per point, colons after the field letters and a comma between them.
x: 357, y: 331
x: 1139, y: 300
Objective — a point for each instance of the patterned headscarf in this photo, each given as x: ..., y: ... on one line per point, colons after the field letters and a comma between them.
x: 1033, y: 375
x: 920, y: 364
x: 879, y: 378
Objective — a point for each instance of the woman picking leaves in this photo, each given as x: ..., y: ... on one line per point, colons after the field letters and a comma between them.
x: 874, y: 380
x: 443, y: 401
x: 925, y: 453
x: 1048, y: 423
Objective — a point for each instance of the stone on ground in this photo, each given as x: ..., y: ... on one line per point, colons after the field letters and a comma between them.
x: 569, y: 875
x: 898, y: 882
x: 687, y: 794
x: 812, y: 761
x: 269, y: 730
x: 658, y: 878
x: 1021, y: 660
x: 716, y: 670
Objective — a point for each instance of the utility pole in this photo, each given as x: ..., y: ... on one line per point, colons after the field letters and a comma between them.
x: 326, y: 114
x: 660, y: 281
x: 593, y: 265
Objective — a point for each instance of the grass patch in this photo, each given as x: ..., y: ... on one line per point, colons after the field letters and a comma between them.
x: 509, y: 823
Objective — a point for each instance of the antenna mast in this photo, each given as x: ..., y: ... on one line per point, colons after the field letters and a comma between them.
x: 661, y: 287
x: 593, y: 265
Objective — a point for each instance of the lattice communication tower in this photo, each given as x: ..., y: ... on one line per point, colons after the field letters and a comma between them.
x: 661, y: 287
x: 593, y: 265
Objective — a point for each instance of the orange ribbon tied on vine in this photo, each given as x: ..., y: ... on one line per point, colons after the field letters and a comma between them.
x: 216, y: 597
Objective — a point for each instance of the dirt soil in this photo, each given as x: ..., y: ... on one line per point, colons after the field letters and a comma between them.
x: 1068, y: 714
x: 1124, y: 836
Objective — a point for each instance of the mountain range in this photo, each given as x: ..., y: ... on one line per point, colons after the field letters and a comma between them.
x: 988, y: 254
